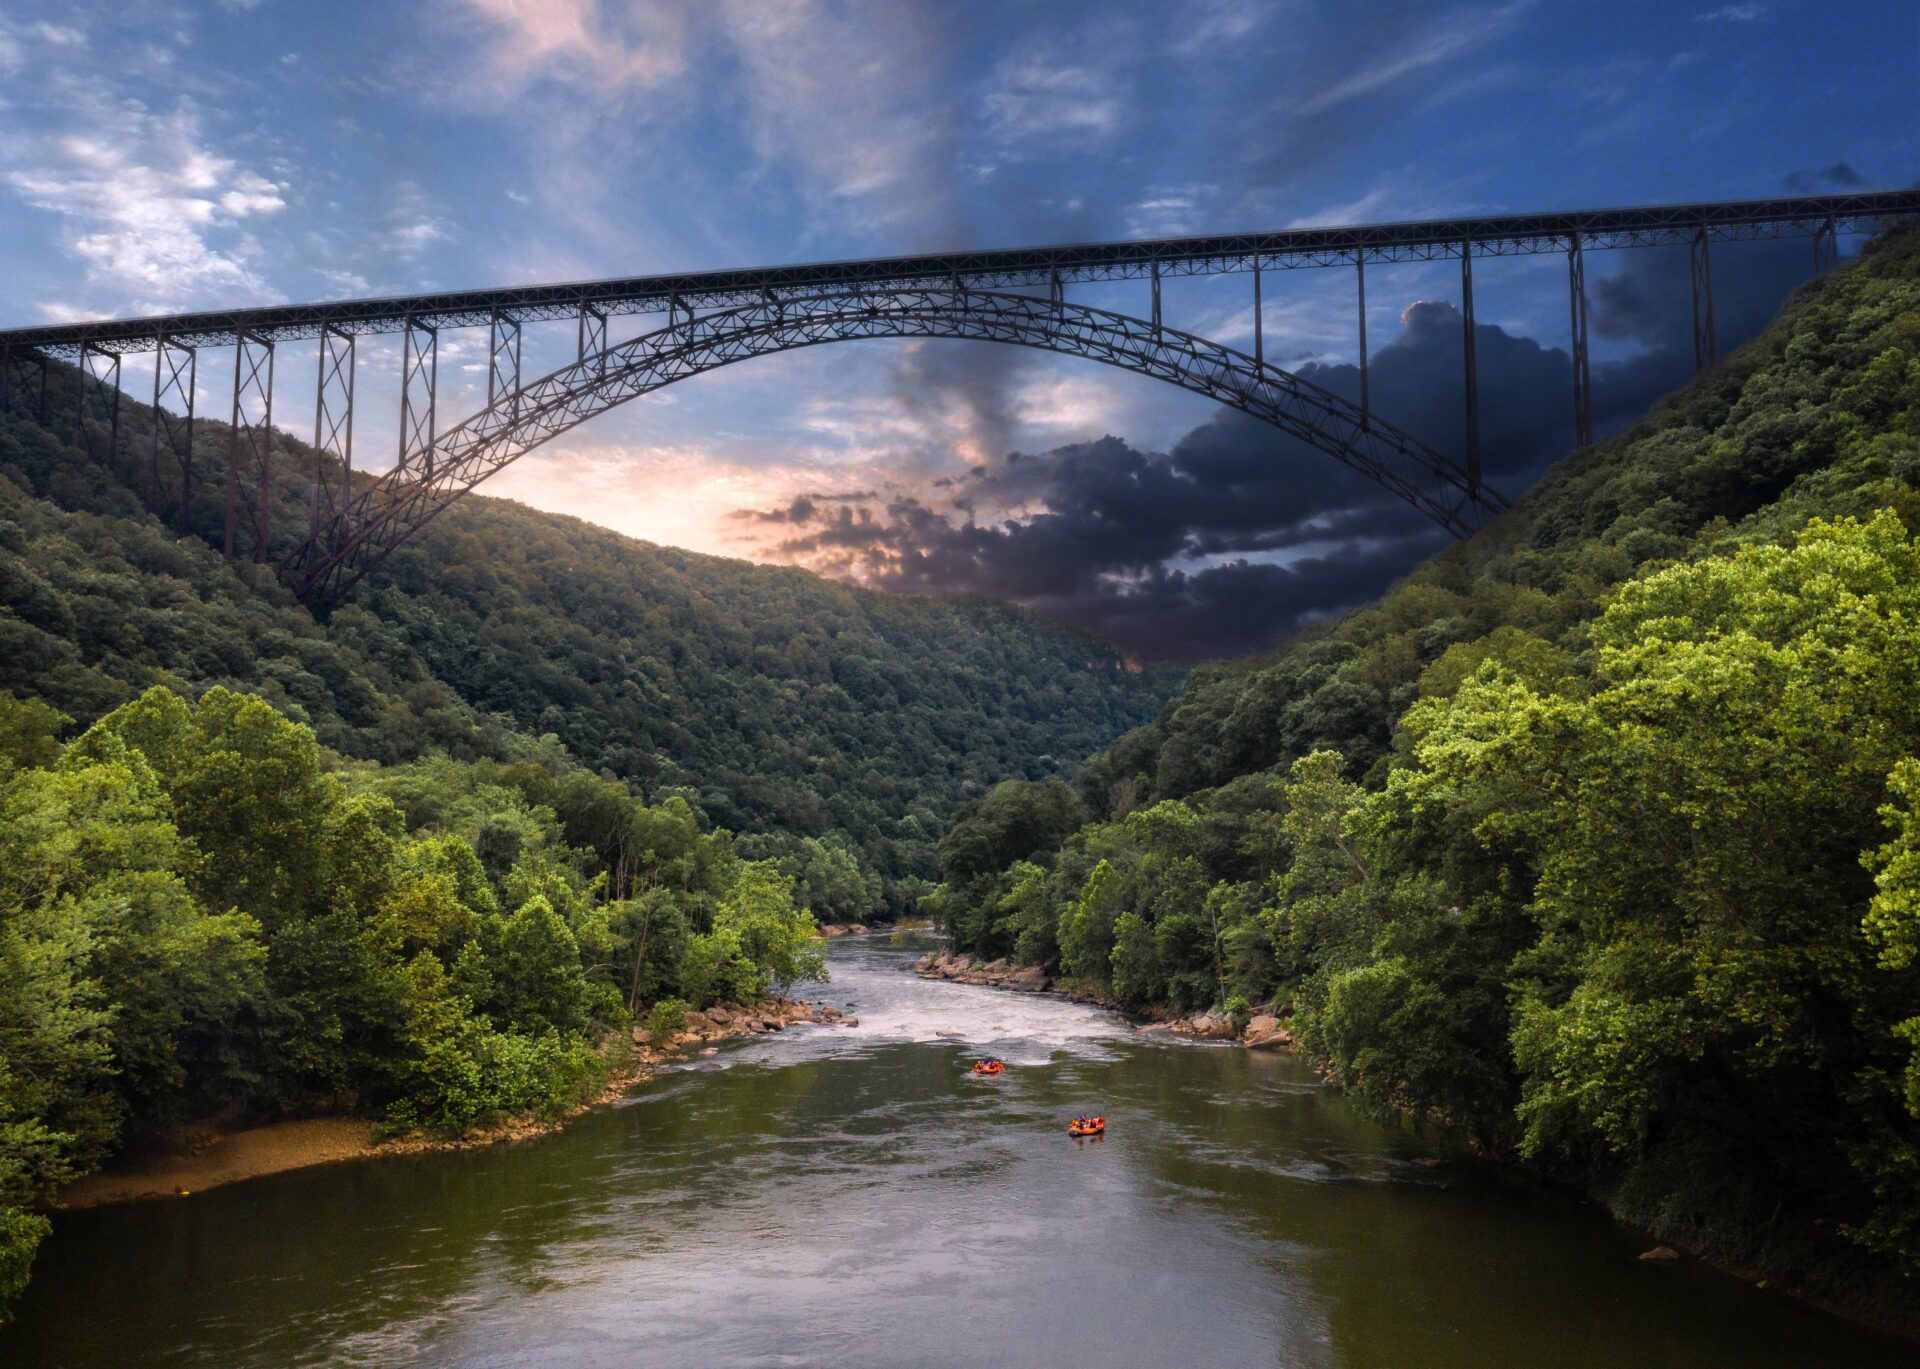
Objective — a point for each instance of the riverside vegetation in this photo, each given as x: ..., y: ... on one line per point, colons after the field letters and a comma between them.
x: 426, y: 861
x: 1596, y: 840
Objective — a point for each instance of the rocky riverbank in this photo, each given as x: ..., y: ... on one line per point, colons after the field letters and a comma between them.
x: 1264, y: 1031
x: 210, y: 1155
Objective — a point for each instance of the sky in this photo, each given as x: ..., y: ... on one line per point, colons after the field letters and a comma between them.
x: 157, y: 157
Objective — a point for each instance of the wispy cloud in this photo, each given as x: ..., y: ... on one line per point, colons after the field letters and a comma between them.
x: 1435, y: 45
x: 582, y: 41
x: 1039, y: 98
x: 1734, y: 14
x: 151, y: 207
x: 850, y: 102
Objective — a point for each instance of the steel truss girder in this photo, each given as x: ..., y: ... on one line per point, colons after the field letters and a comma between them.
x: 405, y: 499
x: 174, y: 368
x: 1049, y: 267
x: 99, y: 382
x: 250, y: 443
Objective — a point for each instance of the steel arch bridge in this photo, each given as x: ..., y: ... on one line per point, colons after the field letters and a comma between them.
x: 428, y: 480
x: 356, y: 522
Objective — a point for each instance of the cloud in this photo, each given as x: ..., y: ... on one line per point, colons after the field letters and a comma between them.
x: 1440, y: 43
x: 582, y: 42
x: 1036, y: 98
x: 1839, y: 175
x: 850, y: 95
x: 1734, y: 14
x: 1239, y: 535
x: 151, y: 208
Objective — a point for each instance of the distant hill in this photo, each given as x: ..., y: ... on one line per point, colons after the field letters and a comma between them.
x: 780, y: 702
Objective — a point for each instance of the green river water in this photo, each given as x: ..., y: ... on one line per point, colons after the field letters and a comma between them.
x: 851, y: 1197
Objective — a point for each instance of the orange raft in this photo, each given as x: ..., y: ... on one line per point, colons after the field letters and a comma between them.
x: 989, y: 1066
x: 1086, y: 1126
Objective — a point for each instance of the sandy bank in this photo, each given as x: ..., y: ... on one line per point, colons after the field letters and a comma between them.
x: 203, y: 1160
x: 239, y: 1155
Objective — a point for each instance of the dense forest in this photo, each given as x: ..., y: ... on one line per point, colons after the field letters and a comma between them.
x: 805, y: 715
x: 201, y: 913
x: 1597, y: 839
x: 422, y: 860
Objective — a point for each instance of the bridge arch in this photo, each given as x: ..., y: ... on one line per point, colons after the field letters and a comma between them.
x: 384, y: 513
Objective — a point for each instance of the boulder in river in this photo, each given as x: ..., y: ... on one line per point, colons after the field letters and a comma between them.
x: 1210, y: 1026
x: 1660, y: 1254
x: 1266, y: 1033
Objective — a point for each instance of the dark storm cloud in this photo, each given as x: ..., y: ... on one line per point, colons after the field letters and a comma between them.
x: 803, y: 507
x: 1806, y: 182
x: 1240, y: 535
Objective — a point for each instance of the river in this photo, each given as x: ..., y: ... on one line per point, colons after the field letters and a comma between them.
x: 852, y: 1197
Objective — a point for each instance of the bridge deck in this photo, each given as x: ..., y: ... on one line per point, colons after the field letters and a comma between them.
x: 1501, y: 235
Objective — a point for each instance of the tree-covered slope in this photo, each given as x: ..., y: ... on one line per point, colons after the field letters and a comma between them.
x: 1593, y: 839
x: 784, y: 704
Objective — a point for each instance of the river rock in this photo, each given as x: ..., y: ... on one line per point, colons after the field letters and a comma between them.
x: 1031, y: 979
x: 1660, y: 1254
x: 1266, y: 1033
x: 1210, y: 1026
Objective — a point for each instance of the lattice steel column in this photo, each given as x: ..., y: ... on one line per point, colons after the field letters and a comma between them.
x: 1826, y: 247
x: 99, y: 379
x: 1259, y: 320
x: 333, y: 428
x: 503, y: 356
x: 19, y: 383
x: 250, y: 440
x: 1473, y: 367
x: 1703, y: 344
x: 1156, y: 296
x: 1582, y: 375
x: 419, y: 382
x: 1360, y: 287
x: 593, y: 332
x: 174, y: 367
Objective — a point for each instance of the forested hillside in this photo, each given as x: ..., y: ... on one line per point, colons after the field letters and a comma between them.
x: 1595, y: 838
x: 779, y: 703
